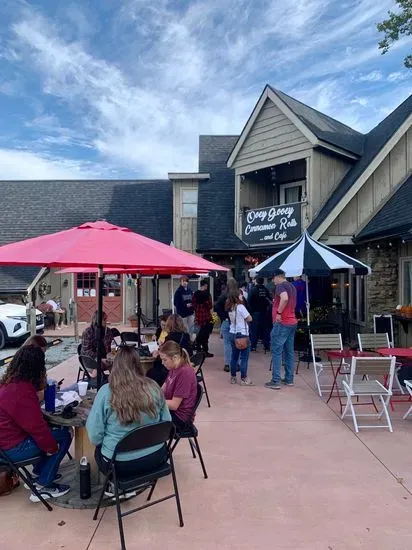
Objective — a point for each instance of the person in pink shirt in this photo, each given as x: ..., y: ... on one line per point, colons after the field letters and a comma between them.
x: 283, y: 331
x: 180, y: 388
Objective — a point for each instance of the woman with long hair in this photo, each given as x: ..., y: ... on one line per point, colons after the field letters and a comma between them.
x: 128, y: 401
x: 239, y: 317
x: 24, y: 433
x: 180, y: 388
x: 231, y: 289
x: 176, y: 332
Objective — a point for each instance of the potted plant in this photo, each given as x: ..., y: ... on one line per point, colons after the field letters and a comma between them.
x: 133, y: 320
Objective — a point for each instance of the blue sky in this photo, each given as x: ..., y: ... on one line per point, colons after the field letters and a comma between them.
x: 122, y: 89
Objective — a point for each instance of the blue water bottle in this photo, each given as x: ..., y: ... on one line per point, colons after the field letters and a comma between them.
x: 50, y: 397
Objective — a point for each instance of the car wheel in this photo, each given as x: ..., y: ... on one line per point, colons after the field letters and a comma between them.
x: 2, y: 338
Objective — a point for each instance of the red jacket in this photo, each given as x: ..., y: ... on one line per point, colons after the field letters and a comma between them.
x: 21, y: 417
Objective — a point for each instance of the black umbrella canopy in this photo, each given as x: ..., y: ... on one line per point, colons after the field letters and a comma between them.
x: 309, y: 257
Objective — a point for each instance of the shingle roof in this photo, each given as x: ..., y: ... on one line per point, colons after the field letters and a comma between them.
x: 325, y: 127
x: 15, y: 280
x: 374, y: 142
x: 33, y: 208
x: 215, y: 222
x: 394, y: 218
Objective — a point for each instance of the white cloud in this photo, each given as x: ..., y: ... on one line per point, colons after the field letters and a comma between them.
x: 176, y: 72
x: 398, y: 76
x: 27, y: 165
x: 373, y: 76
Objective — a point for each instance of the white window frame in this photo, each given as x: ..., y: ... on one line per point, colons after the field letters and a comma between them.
x: 283, y: 186
x: 183, y: 202
x: 402, y: 261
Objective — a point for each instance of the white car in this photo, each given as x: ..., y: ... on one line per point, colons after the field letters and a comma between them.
x: 14, y: 325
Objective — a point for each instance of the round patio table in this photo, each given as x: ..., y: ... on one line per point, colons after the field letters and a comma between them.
x: 406, y: 353
x: 341, y: 355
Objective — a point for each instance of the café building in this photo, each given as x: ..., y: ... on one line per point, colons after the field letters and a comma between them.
x: 292, y: 168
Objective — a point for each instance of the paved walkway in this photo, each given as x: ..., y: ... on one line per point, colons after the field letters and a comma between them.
x: 285, y: 473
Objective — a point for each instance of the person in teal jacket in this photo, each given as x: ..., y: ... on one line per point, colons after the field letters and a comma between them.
x: 128, y: 401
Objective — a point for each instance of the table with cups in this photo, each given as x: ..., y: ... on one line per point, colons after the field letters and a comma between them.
x: 82, y: 448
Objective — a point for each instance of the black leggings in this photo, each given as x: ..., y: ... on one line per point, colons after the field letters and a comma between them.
x: 130, y: 468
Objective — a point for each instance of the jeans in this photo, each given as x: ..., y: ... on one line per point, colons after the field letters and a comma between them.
x: 130, y: 468
x: 189, y: 322
x: 227, y: 343
x: 282, y: 340
x: 202, y: 339
x: 244, y: 358
x: 47, y: 468
x: 259, y: 329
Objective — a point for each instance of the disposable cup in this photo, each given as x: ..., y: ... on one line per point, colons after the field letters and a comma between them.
x: 82, y: 386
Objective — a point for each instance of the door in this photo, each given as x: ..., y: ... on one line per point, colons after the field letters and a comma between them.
x: 86, y: 296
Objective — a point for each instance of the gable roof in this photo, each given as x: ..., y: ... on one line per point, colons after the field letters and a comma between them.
x: 373, y: 145
x: 324, y: 127
x: 393, y: 219
x: 16, y: 280
x: 145, y: 206
x: 216, y: 196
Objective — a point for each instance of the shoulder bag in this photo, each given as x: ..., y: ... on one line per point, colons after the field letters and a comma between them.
x: 241, y: 341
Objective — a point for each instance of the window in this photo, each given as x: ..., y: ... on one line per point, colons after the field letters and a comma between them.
x: 189, y: 203
x: 406, y: 281
x: 86, y: 285
x: 357, y: 293
x: 290, y: 192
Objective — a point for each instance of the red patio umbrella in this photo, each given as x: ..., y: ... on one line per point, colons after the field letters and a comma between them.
x: 103, y: 245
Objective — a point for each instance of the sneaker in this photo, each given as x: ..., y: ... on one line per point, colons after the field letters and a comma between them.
x: 209, y: 354
x: 273, y: 385
x: 287, y: 383
x: 233, y: 380
x: 226, y: 368
x: 36, y: 482
x: 109, y: 493
x: 246, y: 382
x: 252, y: 349
x: 54, y: 490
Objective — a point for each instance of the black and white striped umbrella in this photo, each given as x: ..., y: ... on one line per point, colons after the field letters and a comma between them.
x: 309, y: 257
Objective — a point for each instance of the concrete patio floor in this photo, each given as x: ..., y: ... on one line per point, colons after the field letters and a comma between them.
x: 284, y: 472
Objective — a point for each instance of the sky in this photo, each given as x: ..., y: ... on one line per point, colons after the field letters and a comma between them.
x: 123, y: 88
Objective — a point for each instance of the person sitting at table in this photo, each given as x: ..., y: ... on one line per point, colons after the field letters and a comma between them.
x: 24, y: 433
x: 128, y: 401
x: 180, y: 388
x: 161, y: 332
x: 176, y: 332
x: 90, y: 339
x: 58, y: 312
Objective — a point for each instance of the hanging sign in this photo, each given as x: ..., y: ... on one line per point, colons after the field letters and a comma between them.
x: 271, y: 225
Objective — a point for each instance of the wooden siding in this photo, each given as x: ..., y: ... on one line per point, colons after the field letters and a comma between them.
x: 327, y: 172
x: 184, y: 228
x: 273, y: 135
x: 392, y: 170
x: 254, y: 194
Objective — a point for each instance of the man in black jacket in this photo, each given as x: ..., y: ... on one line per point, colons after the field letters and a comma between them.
x: 259, y: 302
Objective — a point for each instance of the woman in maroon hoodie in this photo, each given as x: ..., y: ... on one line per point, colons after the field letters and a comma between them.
x: 23, y: 431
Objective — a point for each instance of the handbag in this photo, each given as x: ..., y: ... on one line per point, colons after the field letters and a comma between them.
x: 241, y: 341
x: 9, y: 480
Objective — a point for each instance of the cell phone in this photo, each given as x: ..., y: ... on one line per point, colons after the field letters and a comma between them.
x: 61, y: 382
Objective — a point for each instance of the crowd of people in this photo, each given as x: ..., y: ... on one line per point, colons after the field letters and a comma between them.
x: 131, y: 397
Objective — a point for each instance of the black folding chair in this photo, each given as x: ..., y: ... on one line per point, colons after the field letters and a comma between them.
x: 197, y: 361
x: 190, y: 432
x: 142, y: 438
x: 20, y: 468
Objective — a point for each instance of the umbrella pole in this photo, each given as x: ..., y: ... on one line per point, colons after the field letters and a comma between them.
x: 157, y: 299
x: 307, y: 301
x: 100, y: 341
x: 139, y: 308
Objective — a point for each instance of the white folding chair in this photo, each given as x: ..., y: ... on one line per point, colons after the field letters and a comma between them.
x: 374, y: 341
x: 323, y: 342
x: 408, y: 386
x: 370, y: 369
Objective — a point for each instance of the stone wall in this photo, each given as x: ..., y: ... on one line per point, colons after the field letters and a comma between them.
x: 382, y: 287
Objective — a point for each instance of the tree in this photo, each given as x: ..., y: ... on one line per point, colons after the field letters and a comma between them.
x: 395, y: 26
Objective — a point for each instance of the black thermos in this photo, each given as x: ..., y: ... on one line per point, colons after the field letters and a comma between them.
x: 85, y: 483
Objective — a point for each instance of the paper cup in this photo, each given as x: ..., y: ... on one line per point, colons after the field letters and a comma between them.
x: 82, y: 387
